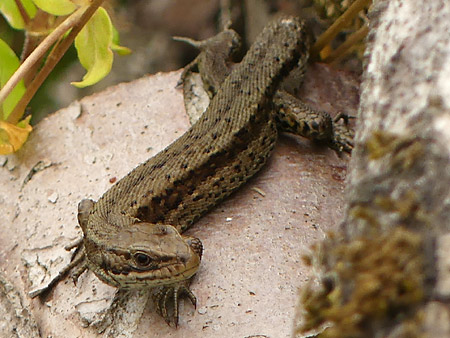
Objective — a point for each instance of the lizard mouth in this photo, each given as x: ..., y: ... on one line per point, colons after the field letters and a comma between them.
x: 136, y: 279
x: 167, y: 274
x: 163, y: 270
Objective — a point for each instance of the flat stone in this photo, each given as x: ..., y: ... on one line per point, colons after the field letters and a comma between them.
x: 251, y: 271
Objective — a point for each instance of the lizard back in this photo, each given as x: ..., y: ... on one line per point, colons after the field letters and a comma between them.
x: 228, y: 144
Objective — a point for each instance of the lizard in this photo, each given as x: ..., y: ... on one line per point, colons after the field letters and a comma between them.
x: 294, y: 115
x: 132, y: 236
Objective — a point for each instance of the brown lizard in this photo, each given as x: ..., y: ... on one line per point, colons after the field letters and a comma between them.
x: 132, y: 234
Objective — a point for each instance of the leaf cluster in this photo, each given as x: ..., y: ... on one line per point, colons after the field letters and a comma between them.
x: 50, y: 27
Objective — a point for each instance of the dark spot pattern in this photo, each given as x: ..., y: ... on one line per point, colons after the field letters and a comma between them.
x: 218, y: 160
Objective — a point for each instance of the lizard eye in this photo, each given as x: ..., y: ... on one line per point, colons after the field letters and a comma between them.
x: 142, y: 259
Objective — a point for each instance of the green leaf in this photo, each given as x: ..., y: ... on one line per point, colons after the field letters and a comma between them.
x: 93, y: 47
x: 8, y: 65
x: 10, y: 11
x: 121, y: 50
x: 56, y: 7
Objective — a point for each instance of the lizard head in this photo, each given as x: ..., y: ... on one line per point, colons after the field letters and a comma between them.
x: 146, y: 255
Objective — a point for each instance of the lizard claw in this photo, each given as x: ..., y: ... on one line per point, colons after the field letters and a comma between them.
x: 167, y: 297
x: 77, y: 265
x: 343, y: 134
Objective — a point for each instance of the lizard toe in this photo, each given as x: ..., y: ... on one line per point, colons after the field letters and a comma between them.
x: 166, y: 300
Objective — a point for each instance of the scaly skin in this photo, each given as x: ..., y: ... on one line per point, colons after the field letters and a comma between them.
x: 132, y: 234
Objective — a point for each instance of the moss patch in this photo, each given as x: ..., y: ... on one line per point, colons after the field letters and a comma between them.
x: 373, y: 282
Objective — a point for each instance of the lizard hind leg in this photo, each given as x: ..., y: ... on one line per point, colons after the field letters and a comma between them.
x: 343, y: 134
x: 294, y: 116
x: 213, y: 62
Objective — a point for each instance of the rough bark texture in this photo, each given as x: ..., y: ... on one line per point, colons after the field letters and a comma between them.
x: 387, y: 273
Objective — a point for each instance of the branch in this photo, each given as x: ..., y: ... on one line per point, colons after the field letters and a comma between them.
x: 76, y: 21
x: 39, y: 52
x: 337, y: 26
x: 23, y: 12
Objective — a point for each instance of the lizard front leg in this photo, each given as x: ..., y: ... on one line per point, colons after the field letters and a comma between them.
x: 166, y: 299
x: 78, y: 262
x: 167, y: 296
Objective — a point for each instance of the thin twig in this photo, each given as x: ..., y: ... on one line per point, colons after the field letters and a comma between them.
x: 53, y: 58
x: 37, y: 54
x: 337, y: 26
x: 345, y: 48
x: 23, y: 12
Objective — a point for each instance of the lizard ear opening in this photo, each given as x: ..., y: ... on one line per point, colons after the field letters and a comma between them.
x: 84, y: 209
x: 196, y: 245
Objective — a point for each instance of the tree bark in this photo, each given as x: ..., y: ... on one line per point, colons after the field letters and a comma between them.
x: 386, y: 273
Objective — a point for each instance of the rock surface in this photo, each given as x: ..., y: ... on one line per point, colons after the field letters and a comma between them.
x: 251, y: 271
